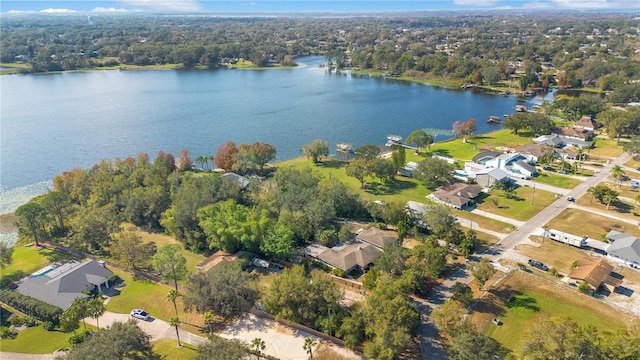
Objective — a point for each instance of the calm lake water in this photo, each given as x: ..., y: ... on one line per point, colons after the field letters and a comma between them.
x: 55, y: 122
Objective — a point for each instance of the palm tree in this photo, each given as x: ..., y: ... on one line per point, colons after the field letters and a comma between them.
x: 592, y: 190
x: 175, y: 321
x: 258, y: 345
x: 609, y: 198
x: 95, y: 309
x: 201, y: 159
x: 79, y: 309
x: 309, y: 343
x: 617, y: 172
x: 172, y: 295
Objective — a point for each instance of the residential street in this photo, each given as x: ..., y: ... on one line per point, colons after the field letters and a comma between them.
x: 431, y: 348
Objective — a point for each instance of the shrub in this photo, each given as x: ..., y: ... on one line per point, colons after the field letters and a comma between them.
x: 114, y: 279
x: 48, y: 325
x: 7, y: 333
x: 31, y: 306
x: 11, y: 278
x: 27, y: 321
x: 338, y: 272
x: 584, y: 287
x: 78, y: 338
x: 554, y: 272
x: 521, y: 266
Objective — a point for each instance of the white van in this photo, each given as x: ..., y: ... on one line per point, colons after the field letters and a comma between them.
x: 635, y: 183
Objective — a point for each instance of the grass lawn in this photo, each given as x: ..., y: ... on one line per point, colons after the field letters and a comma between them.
x: 533, y: 296
x: 619, y: 208
x: 560, y: 181
x: 168, y: 349
x: 29, y: 259
x: 485, y: 222
x: 36, y: 340
x: 401, y: 190
x: 553, y: 253
x: 138, y: 293
x: 466, y: 151
x: 573, y: 221
x: 519, y: 207
x: 606, y: 147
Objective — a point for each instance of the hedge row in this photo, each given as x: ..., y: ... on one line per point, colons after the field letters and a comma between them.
x: 31, y: 306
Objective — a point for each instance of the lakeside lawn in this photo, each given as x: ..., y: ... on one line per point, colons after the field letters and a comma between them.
x: 533, y: 296
x: 462, y: 151
x: 401, y: 190
x: 560, y: 181
x: 519, y: 206
x: 29, y: 259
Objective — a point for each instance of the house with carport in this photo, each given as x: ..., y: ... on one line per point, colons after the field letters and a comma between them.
x: 457, y: 195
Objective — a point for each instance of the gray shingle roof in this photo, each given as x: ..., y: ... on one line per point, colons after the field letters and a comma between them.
x: 627, y: 248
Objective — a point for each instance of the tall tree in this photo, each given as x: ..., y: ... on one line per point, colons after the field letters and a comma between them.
x: 225, y: 155
x: 278, y: 242
x: 483, y: 271
x: 31, y: 219
x: 224, y: 292
x: 358, y: 169
x: 175, y: 321
x: 217, y: 348
x: 434, y: 172
x: 6, y: 252
x: 261, y: 153
x: 58, y: 205
x: 184, y: 159
x: 315, y: 150
x: 170, y: 263
x: 172, y: 295
x: 367, y: 152
x: 258, y: 346
x: 95, y: 309
x: 118, y: 341
x: 130, y: 250
x: 420, y: 138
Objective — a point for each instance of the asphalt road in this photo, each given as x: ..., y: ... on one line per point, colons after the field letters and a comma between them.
x: 431, y: 346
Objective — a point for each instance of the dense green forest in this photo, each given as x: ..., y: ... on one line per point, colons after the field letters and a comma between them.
x: 533, y: 51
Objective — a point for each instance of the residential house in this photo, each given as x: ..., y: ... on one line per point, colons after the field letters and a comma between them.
x: 513, y: 164
x: 578, y: 134
x: 534, y: 152
x: 624, y: 248
x: 350, y: 257
x: 456, y: 195
x: 596, y: 272
x: 378, y: 238
x: 60, y: 285
x: 488, y: 176
x: 559, y: 141
x: 242, y: 181
x: 219, y: 258
x: 586, y: 123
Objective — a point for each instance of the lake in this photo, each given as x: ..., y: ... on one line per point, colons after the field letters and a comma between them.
x: 56, y: 122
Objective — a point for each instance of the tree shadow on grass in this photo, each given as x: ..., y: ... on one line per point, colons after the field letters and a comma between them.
x: 391, y: 188
x: 331, y: 164
x: 521, y: 300
x: 621, y: 207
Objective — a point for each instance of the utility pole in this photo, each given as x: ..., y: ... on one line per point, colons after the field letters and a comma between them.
x: 533, y: 194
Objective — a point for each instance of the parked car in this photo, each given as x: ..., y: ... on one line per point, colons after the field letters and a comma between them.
x: 140, y: 314
x: 563, y: 172
x: 624, y: 178
x: 548, y: 168
x: 538, y: 265
x: 571, y: 198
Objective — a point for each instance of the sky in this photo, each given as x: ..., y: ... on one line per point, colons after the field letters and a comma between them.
x: 209, y: 6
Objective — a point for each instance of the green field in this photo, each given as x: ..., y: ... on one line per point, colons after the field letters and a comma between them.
x: 168, y: 349
x: 560, y: 181
x: 466, y: 151
x: 36, y: 340
x: 28, y: 259
x: 485, y: 222
x: 518, y: 207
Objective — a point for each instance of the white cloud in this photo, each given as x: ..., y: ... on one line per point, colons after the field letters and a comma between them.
x: 166, y: 5
x: 111, y: 10
x: 57, y: 11
x: 475, y: 2
x: 582, y: 4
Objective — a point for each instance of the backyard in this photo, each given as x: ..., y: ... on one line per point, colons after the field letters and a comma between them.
x: 573, y: 221
x: 533, y: 296
x: 556, y: 180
